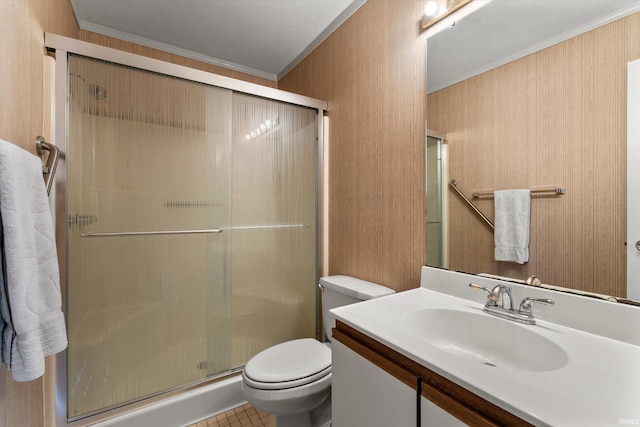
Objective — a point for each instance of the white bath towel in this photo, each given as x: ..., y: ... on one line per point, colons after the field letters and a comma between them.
x: 35, y: 325
x: 512, y: 223
x: 3, y: 299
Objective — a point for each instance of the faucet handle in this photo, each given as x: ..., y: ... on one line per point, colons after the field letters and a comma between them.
x: 493, y: 296
x: 525, y: 305
x: 533, y: 281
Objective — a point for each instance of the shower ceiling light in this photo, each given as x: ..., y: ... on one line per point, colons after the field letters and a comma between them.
x: 436, y: 10
x: 262, y: 129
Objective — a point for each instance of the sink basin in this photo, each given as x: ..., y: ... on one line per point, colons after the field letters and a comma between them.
x: 488, y: 340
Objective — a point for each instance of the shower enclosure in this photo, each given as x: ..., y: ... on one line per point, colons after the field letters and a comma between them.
x: 191, y: 230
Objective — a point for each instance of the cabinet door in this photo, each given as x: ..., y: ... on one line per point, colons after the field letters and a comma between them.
x: 364, y: 395
x: 374, y: 385
x: 431, y: 415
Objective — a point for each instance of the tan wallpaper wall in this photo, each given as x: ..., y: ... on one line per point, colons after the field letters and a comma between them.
x: 371, y: 72
x: 557, y: 117
x: 22, y: 25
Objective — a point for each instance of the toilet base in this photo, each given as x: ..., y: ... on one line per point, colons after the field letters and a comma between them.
x: 318, y: 417
x: 305, y: 406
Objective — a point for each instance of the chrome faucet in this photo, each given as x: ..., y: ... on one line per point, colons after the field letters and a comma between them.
x: 505, y: 297
x: 501, y: 293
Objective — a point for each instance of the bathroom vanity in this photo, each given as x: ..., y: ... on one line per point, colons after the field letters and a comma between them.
x: 382, y: 387
x: 431, y: 356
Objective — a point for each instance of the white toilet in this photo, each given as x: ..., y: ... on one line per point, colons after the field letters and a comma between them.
x: 292, y: 380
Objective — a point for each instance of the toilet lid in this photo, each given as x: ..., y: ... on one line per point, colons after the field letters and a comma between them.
x: 290, y: 364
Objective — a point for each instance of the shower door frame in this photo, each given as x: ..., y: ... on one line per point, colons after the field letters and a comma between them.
x: 443, y: 175
x: 63, y: 46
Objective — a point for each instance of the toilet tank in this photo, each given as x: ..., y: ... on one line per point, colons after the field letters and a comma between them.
x: 344, y: 290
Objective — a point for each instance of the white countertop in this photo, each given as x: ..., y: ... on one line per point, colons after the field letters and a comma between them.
x: 599, y: 385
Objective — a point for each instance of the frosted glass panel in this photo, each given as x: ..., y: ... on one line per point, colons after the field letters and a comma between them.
x: 145, y: 313
x: 151, y: 153
x: 274, y: 220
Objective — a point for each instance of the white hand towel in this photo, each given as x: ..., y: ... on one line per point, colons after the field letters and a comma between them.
x: 512, y: 222
x: 35, y: 325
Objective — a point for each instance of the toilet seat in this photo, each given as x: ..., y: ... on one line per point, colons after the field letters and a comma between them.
x: 287, y: 365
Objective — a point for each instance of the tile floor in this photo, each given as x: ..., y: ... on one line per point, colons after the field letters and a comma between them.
x: 242, y: 416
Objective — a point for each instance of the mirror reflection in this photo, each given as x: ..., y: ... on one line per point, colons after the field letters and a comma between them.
x: 436, y: 196
x: 532, y: 95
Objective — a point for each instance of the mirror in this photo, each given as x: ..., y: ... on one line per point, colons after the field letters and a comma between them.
x: 532, y: 94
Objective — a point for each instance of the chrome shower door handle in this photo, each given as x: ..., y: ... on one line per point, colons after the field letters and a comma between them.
x: 638, y: 245
x: 150, y: 233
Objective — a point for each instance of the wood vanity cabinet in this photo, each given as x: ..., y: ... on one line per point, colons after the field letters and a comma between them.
x: 375, y: 386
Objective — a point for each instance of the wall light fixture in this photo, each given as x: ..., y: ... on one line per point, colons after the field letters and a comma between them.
x: 436, y: 10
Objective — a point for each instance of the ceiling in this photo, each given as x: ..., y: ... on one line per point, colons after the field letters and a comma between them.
x: 264, y: 38
x: 499, y: 31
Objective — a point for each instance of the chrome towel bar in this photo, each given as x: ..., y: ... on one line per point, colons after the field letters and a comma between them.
x: 555, y: 190
x: 49, y: 169
x: 454, y: 186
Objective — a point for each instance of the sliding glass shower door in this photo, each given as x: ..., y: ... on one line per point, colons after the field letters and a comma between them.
x: 274, y: 248
x: 191, y: 231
